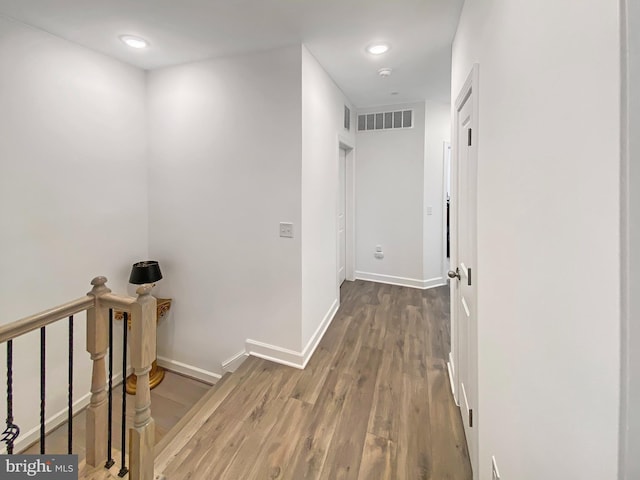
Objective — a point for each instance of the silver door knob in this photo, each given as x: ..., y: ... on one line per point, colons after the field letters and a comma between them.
x: 455, y: 274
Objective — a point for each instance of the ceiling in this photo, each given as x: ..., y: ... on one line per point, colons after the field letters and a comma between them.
x: 335, y: 31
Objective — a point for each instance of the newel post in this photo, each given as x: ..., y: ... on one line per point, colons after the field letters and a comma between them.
x: 97, y: 344
x: 142, y: 345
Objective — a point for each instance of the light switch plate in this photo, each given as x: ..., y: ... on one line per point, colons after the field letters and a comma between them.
x: 286, y: 230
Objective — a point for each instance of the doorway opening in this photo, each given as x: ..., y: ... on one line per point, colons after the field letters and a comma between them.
x: 345, y: 211
x: 342, y: 216
x: 446, y: 214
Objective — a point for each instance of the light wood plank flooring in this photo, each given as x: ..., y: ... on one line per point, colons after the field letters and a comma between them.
x: 373, y: 403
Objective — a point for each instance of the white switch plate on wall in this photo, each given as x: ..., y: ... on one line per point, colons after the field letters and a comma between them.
x: 286, y: 230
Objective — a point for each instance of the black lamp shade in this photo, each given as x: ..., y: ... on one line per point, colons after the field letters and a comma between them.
x: 145, y: 272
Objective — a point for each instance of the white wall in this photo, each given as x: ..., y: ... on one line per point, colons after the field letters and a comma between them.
x: 437, y: 131
x: 390, y: 199
x: 630, y: 417
x: 398, y: 175
x: 225, y: 146
x: 548, y: 234
x: 322, y: 123
x: 73, y: 195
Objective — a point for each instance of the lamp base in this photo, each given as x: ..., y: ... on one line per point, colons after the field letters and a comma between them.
x: 156, y: 375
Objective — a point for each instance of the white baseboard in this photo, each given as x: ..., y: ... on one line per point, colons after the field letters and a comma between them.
x: 401, y: 281
x: 313, y: 342
x: 463, y: 398
x: 276, y: 354
x: 189, y: 370
x: 289, y: 357
x: 451, y: 368
x: 26, y: 439
x: 434, y: 282
x: 232, y: 364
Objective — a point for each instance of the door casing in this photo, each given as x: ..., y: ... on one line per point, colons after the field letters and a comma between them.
x: 468, y: 92
x: 346, y: 144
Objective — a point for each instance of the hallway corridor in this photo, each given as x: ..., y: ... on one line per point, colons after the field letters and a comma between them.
x: 373, y: 403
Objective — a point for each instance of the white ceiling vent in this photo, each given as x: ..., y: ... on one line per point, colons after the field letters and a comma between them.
x: 385, y: 120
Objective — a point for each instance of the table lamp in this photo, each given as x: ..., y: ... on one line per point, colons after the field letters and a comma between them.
x: 145, y: 272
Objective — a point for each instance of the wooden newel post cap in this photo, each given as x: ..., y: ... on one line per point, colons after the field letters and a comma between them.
x: 99, y: 281
x: 99, y: 287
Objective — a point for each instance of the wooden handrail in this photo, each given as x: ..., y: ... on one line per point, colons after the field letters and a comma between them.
x: 117, y: 302
x: 46, y: 317
x: 142, y: 345
x: 15, y: 329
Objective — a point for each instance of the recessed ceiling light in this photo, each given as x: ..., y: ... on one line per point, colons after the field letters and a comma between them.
x: 134, y: 42
x: 378, y: 48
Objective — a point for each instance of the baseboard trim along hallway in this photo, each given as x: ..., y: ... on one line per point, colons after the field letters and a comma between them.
x: 289, y: 357
x: 189, y: 370
x: 401, y: 281
x: 231, y: 364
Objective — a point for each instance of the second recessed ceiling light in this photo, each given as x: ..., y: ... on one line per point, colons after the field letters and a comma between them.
x: 134, y: 42
x: 378, y: 48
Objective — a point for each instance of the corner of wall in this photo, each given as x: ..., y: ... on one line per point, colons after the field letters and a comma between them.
x: 322, y: 114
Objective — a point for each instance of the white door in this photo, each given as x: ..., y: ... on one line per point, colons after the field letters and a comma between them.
x: 342, y: 223
x: 464, y: 269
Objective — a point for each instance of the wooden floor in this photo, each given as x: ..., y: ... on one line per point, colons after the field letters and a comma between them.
x: 373, y: 403
x: 171, y: 400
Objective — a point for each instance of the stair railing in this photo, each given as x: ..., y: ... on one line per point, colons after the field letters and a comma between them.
x: 99, y: 304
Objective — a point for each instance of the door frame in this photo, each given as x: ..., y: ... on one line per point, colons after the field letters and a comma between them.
x: 469, y: 88
x: 347, y: 144
x: 447, y: 162
x: 447, y: 181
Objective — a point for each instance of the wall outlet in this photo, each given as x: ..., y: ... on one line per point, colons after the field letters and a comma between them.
x: 286, y: 230
x: 495, y: 473
x: 378, y: 248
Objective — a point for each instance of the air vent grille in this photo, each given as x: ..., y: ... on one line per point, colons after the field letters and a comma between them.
x: 385, y: 120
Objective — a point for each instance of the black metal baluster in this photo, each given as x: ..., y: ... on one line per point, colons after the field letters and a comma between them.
x: 70, y: 391
x: 12, y: 431
x: 43, y: 346
x: 9, y: 393
x: 110, y: 461
x: 125, y: 323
